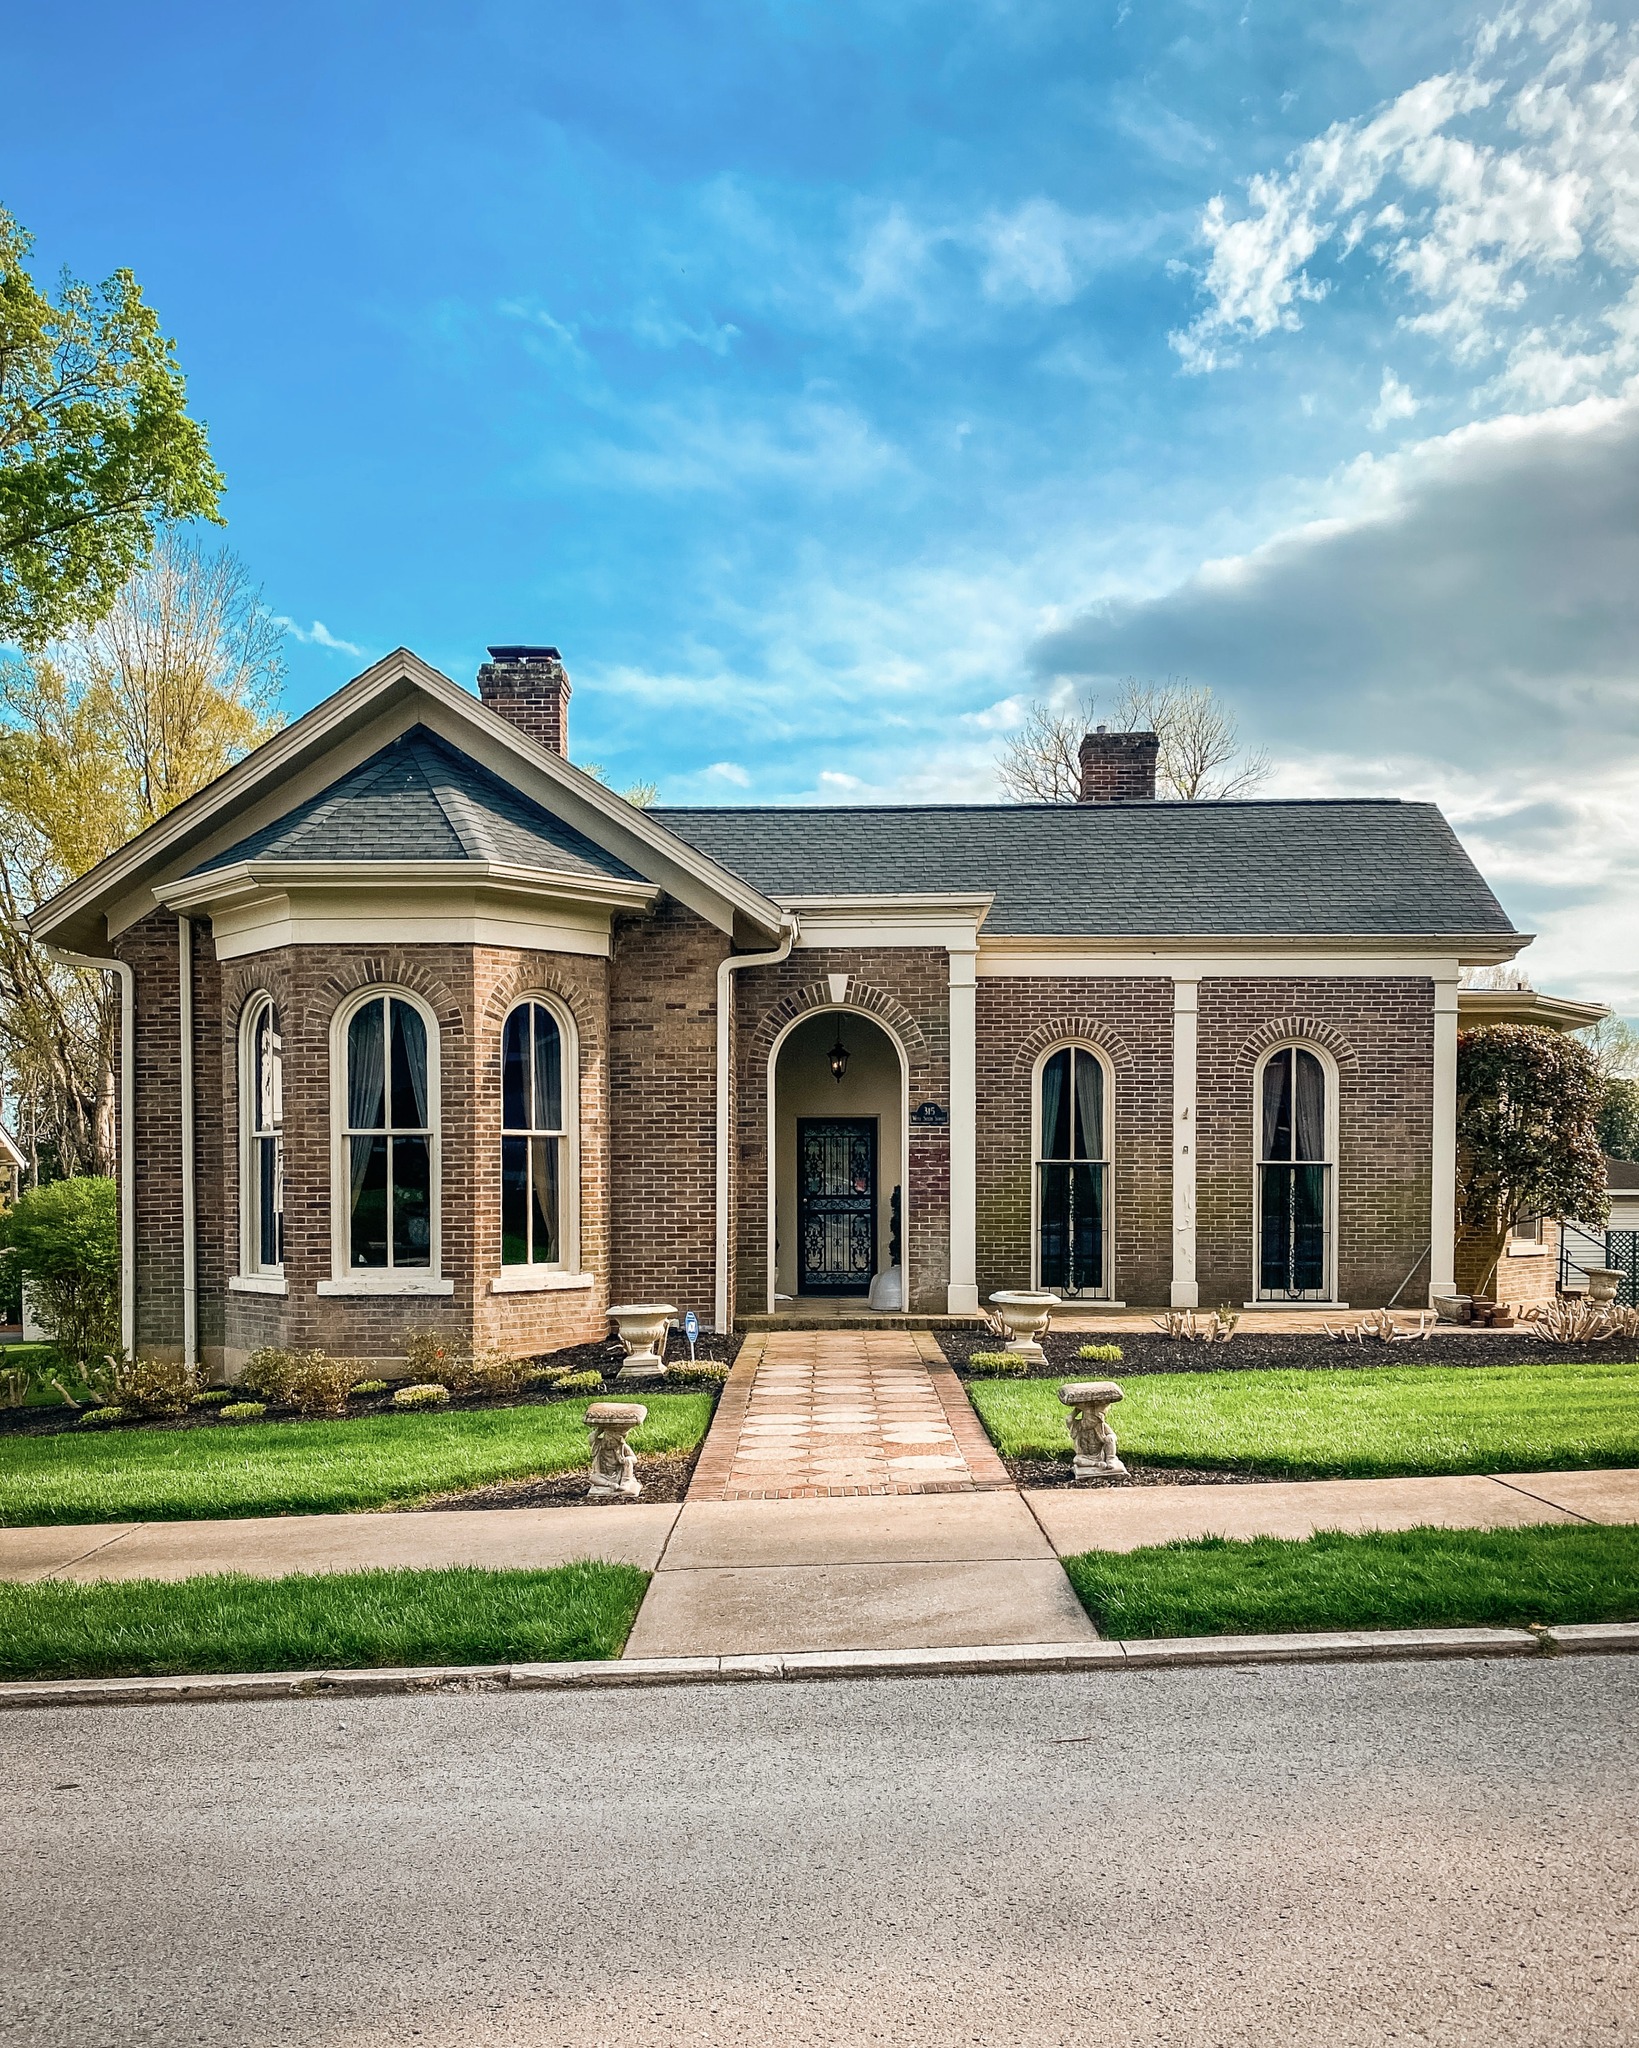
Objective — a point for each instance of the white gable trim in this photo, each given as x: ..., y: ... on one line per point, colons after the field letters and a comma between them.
x: 346, y: 729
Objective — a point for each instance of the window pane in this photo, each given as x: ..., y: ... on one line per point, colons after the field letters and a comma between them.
x: 369, y: 1220
x: 543, y: 1186
x: 270, y: 1201
x: 515, y: 1073
x: 412, y: 1202
x: 1277, y: 1107
x: 1072, y: 1227
x: 268, y: 1091
x: 1089, y: 1121
x: 409, y: 1069
x: 1055, y: 1106
x: 514, y: 1201
x: 1310, y: 1132
x: 365, y: 1068
x: 548, y: 1072
x: 1292, y: 1234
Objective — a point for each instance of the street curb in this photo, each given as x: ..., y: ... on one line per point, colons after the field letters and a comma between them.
x: 1347, y: 1647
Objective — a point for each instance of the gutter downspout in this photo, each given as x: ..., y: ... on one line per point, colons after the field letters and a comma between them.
x: 190, y: 1213
x: 721, y: 1317
x: 127, y: 1133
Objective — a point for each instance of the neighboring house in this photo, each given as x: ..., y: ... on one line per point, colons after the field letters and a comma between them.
x: 13, y: 1163
x: 1622, y: 1184
x: 432, y: 1028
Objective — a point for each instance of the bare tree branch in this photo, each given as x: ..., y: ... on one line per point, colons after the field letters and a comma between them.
x: 1201, y: 757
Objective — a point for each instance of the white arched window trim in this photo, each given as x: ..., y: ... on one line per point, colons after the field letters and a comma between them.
x: 253, y: 1277
x: 1328, y: 1067
x: 566, y: 1273
x: 392, y: 1280
x: 1108, y: 1291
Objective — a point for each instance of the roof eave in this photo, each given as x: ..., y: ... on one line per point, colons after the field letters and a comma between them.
x: 242, y: 879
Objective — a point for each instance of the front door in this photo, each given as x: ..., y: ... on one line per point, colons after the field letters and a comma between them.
x: 836, y: 1204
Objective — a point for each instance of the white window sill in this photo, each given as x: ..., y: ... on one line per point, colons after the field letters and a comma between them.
x: 257, y: 1283
x: 537, y: 1280
x: 1527, y: 1251
x: 387, y: 1283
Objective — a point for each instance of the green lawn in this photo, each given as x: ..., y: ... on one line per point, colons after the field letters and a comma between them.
x: 1415, y: 1578
x: 309, y: 1468
x: 1369, y: 1423
x: 130, y: 1628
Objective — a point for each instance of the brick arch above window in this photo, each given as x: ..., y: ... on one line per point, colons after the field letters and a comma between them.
x: 1065, y: 1030
x: 529, y: 978
x: 258, y: 976
x: 1305, y: 1030
x: 816, y: 995
x: 389, y: 970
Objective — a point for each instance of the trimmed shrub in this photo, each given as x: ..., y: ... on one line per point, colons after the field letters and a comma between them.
x: 580, y: 1383
x: 311, y: 1382
x: 1100, y: 1354
x: 242, y: 1411
x: 213, y: 1397
x: 431, y: 1355
x: 99, y: 1418
x: 485, y: 1373
x: 65, y: 1239
x: 156, y: 1386
x: 1000, y: 1364
x: 365, y: 1389
x: 544, y: 1375
x: 430, y: 1395
x: 703, y: 1372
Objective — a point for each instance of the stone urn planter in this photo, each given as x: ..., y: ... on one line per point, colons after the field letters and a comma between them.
x: 1027, y: 1313
x: 1603, y: 1282
x: 1453, y: 1308
x: 614, y: 1469
x: 642, y: 1326
x: 1089, y: 1403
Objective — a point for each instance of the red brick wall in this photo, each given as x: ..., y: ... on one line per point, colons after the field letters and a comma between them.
x: 1130, y: 1021
x: 907, y: 988
x: 469, y: 991
x: 1380, y: 1032
x: 662, y: 1107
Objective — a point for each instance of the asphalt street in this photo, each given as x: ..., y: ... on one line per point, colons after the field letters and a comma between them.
x: 1434, y: 1853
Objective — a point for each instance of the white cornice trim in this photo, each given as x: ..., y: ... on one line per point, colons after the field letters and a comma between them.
x: 1526, y: 1006
x: 245, y: 879
x: 1437, y: 955
x: 583, y: 801
x: 948, y: 921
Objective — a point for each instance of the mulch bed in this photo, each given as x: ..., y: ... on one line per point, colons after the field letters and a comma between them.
x: 662, y: 1479
x: 1142, y: 1352
x: 605, y: 1357
x: 1061, y: 1472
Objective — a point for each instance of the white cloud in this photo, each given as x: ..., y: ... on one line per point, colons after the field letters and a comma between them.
x: 730, y: 771
x: 1394, y: 402
x: 318, y: 635
x: 1475, y: 190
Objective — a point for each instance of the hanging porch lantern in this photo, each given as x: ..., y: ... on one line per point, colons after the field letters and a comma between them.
x: 838, y: 1058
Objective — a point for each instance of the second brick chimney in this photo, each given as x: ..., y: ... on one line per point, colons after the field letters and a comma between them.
x: 530, y: 686
x: 1118, y: 767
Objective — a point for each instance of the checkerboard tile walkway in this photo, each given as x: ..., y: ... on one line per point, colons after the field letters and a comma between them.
x: 811, y: 1414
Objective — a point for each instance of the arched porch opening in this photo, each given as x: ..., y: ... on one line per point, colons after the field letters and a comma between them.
x: 839, y: 1154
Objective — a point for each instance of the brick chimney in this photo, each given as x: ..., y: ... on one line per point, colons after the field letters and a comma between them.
x: 1118, y: 767
x: 529, y: 685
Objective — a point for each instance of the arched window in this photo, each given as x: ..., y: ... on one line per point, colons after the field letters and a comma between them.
x: 1072, y: 1173
x: 389, y: 1137
x: 1294, y: 1176
x: 262, y: 1113
x: 535, y: 1162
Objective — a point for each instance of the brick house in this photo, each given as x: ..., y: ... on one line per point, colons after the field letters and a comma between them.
x: 422, y: 1025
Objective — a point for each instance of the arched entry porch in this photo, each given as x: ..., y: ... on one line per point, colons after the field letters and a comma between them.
x: 839, y: 1147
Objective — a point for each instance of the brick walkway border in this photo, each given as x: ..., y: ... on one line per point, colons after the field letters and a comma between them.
x: 989, y: 1473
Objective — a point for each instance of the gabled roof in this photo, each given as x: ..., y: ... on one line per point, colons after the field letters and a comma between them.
x: 422, y: 799
x: 11, y: 1153
x: 1360, y: 868
x: 284, y: 775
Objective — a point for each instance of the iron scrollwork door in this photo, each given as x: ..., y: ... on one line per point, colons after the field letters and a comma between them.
x: 836, y: 1204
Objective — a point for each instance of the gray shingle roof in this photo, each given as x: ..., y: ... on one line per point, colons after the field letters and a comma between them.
x: 1372, y: 868
x: 422, y: 799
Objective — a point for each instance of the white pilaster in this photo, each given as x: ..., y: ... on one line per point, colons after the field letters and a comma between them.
x: 963, y: 1295
x: 1442, y: 1258
x: 1186, y: 1291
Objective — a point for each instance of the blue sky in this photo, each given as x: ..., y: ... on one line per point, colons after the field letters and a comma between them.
x: 828, y: 381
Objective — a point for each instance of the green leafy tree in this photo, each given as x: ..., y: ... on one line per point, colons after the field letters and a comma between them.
x: 66, y: 1239
x: 1528, y: 1104
x: 96, y: 446
x: 1619, y: 1118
